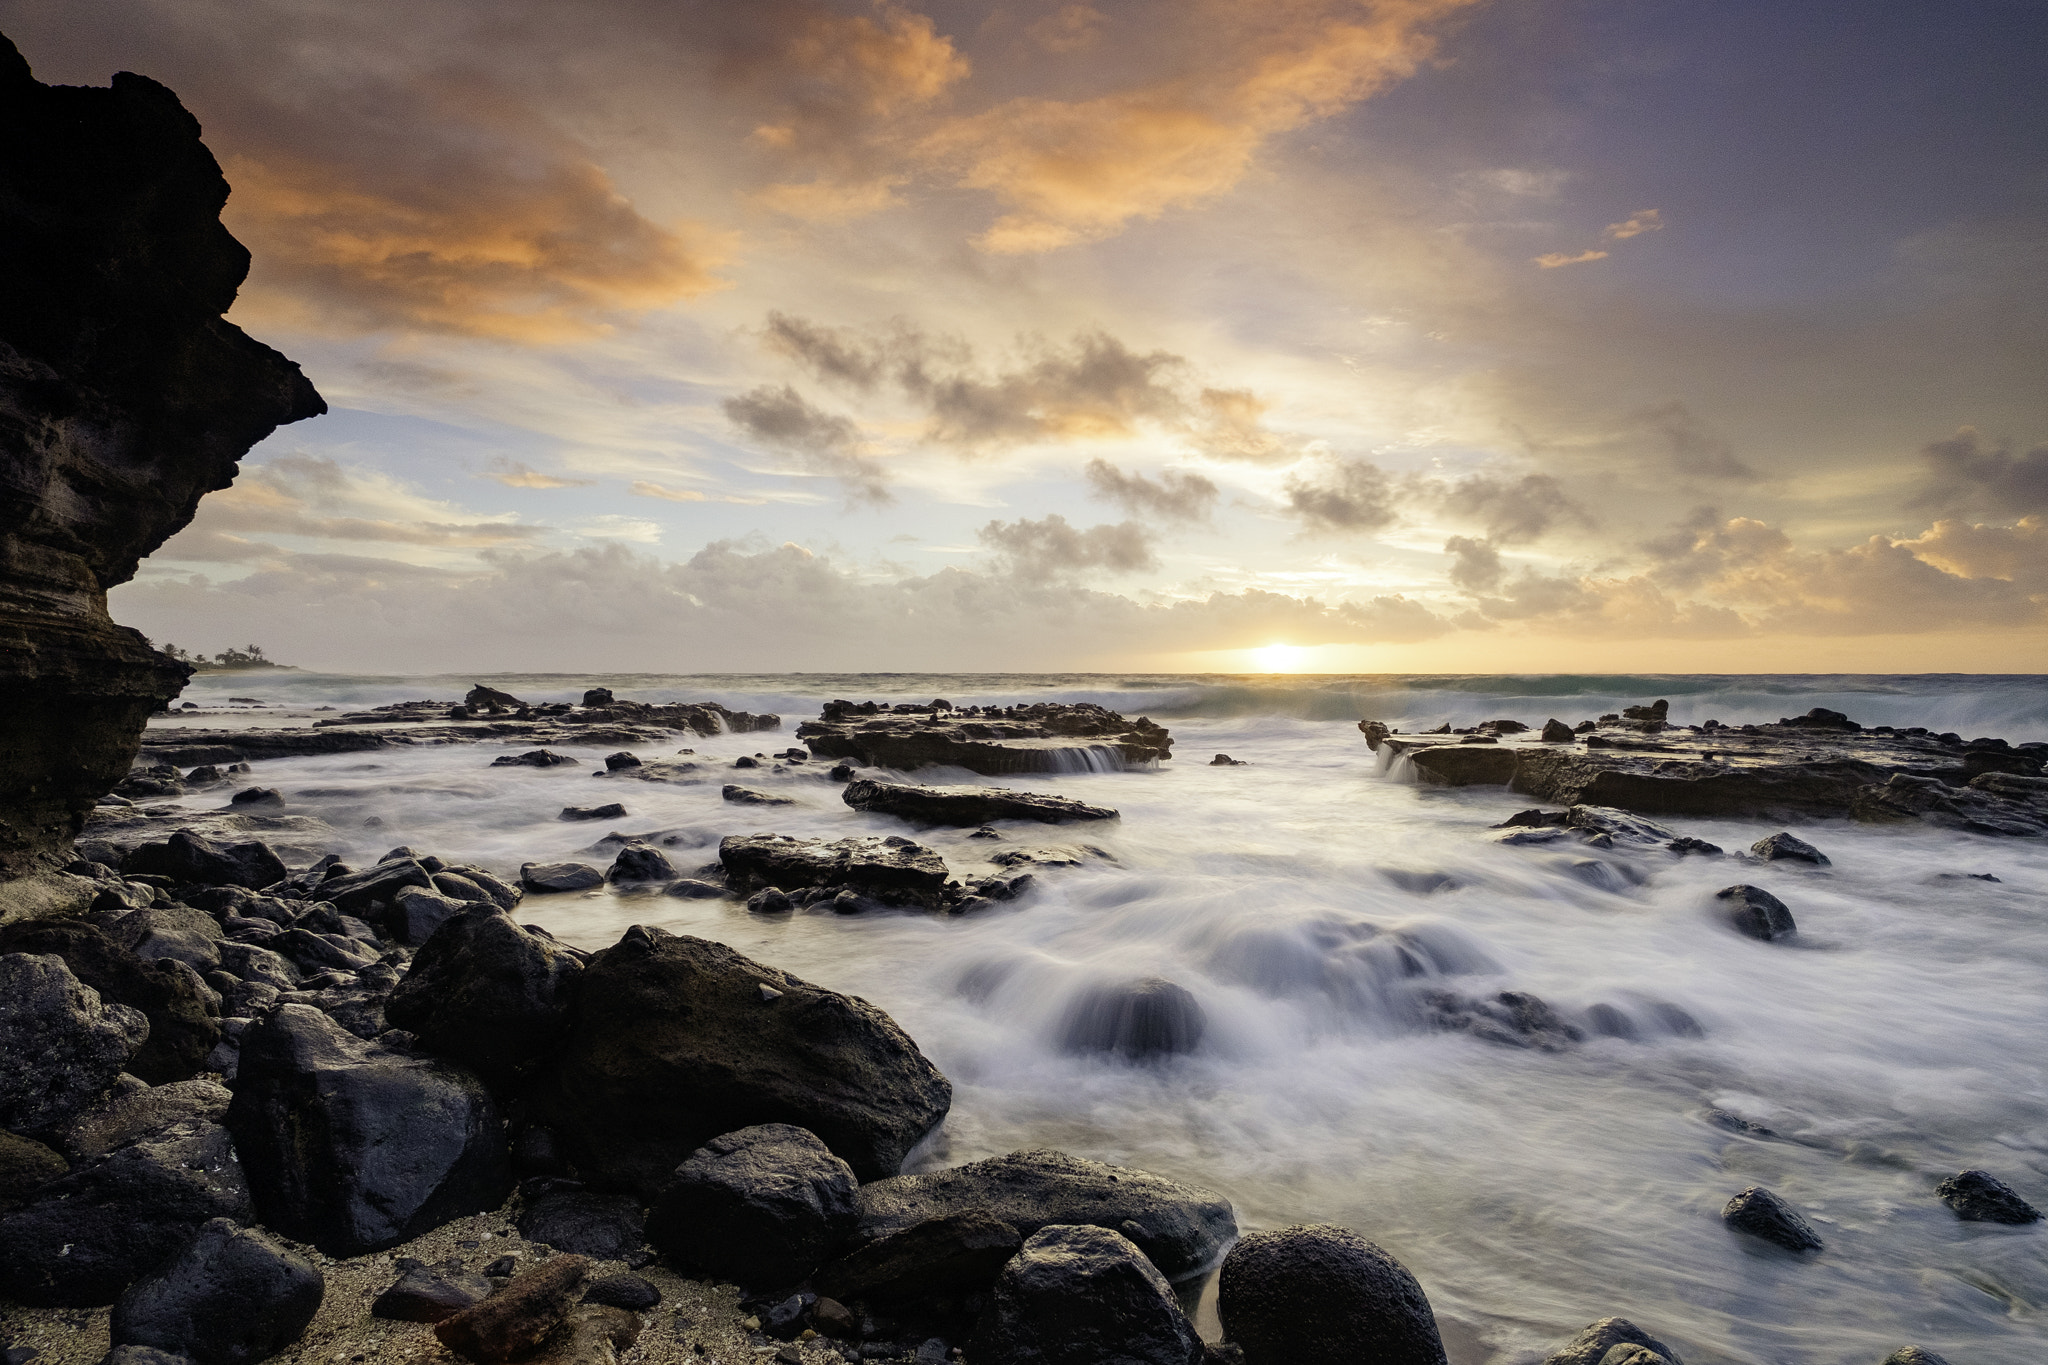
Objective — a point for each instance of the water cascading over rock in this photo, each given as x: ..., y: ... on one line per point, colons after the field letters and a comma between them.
x: 124, y: 399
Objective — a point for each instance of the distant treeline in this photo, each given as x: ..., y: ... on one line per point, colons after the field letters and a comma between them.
x: 228, y: 660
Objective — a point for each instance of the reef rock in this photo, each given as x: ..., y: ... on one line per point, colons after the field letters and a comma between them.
x: 1044, y: 737
x: 124, y: 399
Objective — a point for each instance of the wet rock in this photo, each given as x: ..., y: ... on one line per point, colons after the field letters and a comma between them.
x: 1687, y: 844
x: 515, y: 1321
x: 965, y: 807
x: 1322, y: 1295
x: 1464, y: 766
x: 144, y: 1113
x: 1084, y: 1294
x: 25, y: 1164
x: 313, y: 953
x: 748, y: 796
x: 533, y: 758
x: 1135, y: 1020
x: 1226, y: 761
x: 559, y: 877
x: 1591, y: 1346
x: 1557, y: 732
x: 671, y: 1042
x: 952, y: 1253
x: 770, y: 902
x: 892, y: 869
x: 636, y: 864
x: 257, y: 798
x: 355, y: 1147
x: 1041, y: 737
x: 417, y: 912
x: 190, y: 936
x: 482, y: 698
x: 1763, y: 1214
x: 232, y: 1296
x: 427, y: 1293
x: 80, y: 1239
x: 1510, y: 1018
x: 606, y: 1227
x: 1180, y: 1228
x: 1788, y: 846
x: 623, y: 1289
x: 613, y: 811
x: 1980, y: 1197
x: 181, y: 1031
x: 597, y: 696
x: 1914, y: 1355
x: 189, y: 857
x: 476, y: 886
x: 60, y: 1047
x: 486, y: 993
x: 251, y: 963
x: 1618, y: 825
x: 764, y: 1206
x: 357, y: 893
x: 694, y: 889
x: 1756, y: 912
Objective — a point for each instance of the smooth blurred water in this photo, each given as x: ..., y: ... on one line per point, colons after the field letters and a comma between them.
x: 1898, y: 1039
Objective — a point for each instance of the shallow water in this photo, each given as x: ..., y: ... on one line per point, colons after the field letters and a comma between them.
x: 1897, y: 1040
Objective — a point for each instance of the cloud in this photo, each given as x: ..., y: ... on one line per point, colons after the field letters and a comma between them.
x: 1343, y: 495
x: 1093, y: 387
x: 1967, y: 471
x: 317, y: 499
x: 1174, y: 496
x: 1070, y: 28
x: 1077, y: 170
x: 645, y: 488
x: 1038, y: 551
x: 490, y: 247
x: 1553, y: 259
x: 1513, y: 512
x: 1696, y: 449
x: 2016, y: 553
x: 730, y: 607
x: 826, y: 443
x: 1476, y: 567
x: 1638, y: 223
x: 513, y: 474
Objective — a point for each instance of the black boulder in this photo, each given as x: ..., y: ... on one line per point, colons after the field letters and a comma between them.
x: 764, y: 1206
x: 1323, y: 1295
x: 232, y: 1296
x: 487, y: 993
x: 1083, y: 1295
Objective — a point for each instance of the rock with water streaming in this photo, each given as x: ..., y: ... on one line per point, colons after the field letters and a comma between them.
x: 1594, y: 1345
x: 1323, y: 1295
x: 764, y: 1206
x: 1084, y: 1294
x: 673, y: 1041
x: 892, y: 869
x: 966, y: 807
x: 1041, y: 737
x: 559, y: 877
x: 1760, y: 1213
x: 638, y: 863
x: 1786, y: 846
x: 1179, y: 1227
x: 1136, y: 1020
x: 1756, y: 912
x: 534, y: 758
x: 1980, y: 1197
x: 1510, y: 1018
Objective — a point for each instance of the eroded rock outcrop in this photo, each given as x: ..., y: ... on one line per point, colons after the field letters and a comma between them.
x: 124, y: 398
x: 1043, y: 737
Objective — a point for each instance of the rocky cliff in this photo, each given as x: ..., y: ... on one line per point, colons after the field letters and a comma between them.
x: 124, y: 399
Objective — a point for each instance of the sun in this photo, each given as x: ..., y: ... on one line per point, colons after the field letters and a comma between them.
x: 1279, y: 658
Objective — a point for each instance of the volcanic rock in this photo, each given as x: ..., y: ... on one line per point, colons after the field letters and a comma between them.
x: 1914, y: 1355
x: 1041, y: 737
x: 486, y: 993
x: 966, y: 807
x: 60, y: 1047
x: 533, y: 758
x: 764, y: 1206
x: 25, y: 1164
x: 1761, y: 1213
x: 426, y: 1293
x: 1788, y: 846
x: 355, y: 1147
x: 190, y: 857
x: 1180, y: 1228
x: 1590, y: 1347
x: 639, y: 864
x: 1084, y: 1293
x: 955, y: 1251
x: 1135, y: 1020
x: 623, y: 1289
x: 232, y: 1296
x: 672, y: 1041
x: 1322, y: 1295
x: 144, y: 1113
x: 608, y: 1227
x: 1756, y: 912
x: 557, y: 877
x: 892, y: 869
x: 124, y: 398
x: 180, y: 1033
x: 1980, y: 1197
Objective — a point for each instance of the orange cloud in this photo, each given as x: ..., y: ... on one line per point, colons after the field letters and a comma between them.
x: 1554, y: 259
x: 1078, y: 170
x: 546, y: 257
x: 515, y: 475
x: 1638, y: 223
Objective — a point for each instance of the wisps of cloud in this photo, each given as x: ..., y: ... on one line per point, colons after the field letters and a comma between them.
x: 514, y: 474
x: 1176, y: 495
x: 1551, y: 260
x: 823, y: 442
x: 1635, y: 225
x: 1968, y: 471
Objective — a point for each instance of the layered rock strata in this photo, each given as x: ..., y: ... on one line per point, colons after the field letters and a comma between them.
x: 124, y: 399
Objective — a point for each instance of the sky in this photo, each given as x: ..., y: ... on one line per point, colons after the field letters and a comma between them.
x: 1152, y: 335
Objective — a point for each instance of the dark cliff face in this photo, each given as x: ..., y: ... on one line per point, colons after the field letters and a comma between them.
x: 124, y: 398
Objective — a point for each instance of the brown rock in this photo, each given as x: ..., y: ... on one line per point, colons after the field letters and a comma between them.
x: 515, y: 1321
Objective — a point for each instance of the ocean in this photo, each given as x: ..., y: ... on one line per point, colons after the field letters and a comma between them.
x: 1898, y: 1039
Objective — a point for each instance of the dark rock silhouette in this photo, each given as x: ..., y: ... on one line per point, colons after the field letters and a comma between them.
x: 124, y: 398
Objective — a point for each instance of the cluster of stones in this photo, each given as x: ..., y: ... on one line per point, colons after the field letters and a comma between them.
x: 992, y: 740
x: 1819, y: 765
